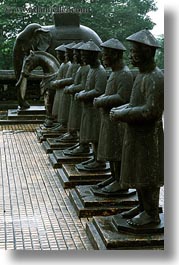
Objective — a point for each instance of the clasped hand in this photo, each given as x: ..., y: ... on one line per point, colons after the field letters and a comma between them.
x: 119, y: 112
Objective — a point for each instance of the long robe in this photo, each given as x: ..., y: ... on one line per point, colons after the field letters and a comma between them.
x: 74, y: 119
x: 91, y: 117
x: 64, y: 107
x: 61, y: 75
x: 118, y: 91
x: 142, y: 157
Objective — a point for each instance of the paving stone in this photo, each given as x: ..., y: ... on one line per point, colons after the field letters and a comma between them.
x: 35, y: 211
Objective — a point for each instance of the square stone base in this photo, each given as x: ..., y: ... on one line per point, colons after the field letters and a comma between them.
x: 43, y: 133
x: 70, y: 176
x: 34, y: 113
x: 87, y: 204
x: 104, y: 235
x: 57, y: 158
x: 55, y: 144
x: 49, y: 145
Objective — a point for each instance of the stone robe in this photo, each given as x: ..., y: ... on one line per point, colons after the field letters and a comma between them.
x: 64, y: 107
x: 118, y: 91
x: 91, y: 117
x: 75, y: 112
x: 142, y: 157
x: 61, y: 75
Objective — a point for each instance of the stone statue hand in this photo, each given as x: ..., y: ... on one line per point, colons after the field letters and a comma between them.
x: 95, y: 102
x: 66, y: 90
x: 112, y: 114
x: 119, y: 113
x: 53, y: 84
x: 76, y: 96
x: 79, y: 96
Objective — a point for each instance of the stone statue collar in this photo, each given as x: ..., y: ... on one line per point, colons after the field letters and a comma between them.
x: 147, y: 67
x: 117, y: 66
x: 95, y: 64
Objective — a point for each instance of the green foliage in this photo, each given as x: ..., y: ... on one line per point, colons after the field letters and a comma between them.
x: 160, y: 53
x: 109, y: 18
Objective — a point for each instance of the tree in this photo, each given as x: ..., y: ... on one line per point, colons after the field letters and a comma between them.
x: 112, y: 18
x: 160, y: 53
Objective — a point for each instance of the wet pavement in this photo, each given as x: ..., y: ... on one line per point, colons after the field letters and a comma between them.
x: 35, y: 211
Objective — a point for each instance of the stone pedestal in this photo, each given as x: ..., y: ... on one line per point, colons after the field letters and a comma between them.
x: 43, y: 133
x: 33, y: 110
x: 70, y: 176
x: 54, y: 144
x: 104, y: 234
x: 57, y: 158
x: 32, y: 114
x: 87, y: 204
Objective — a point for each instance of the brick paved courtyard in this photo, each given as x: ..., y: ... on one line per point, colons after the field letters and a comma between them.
x: 35, y: 211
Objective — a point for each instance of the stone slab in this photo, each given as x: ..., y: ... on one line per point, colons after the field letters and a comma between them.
x: 104, y: 235
x: 122, y: 225
x: 61, y: 157
x: 43, y: 135
x: 32, y: 110
x: 48, y: 149
x: 86, y: 204
x: 69, y: 151
x: 55, y: 144
x: 69, y: 176
x: 57, y: 158
x: 73, y: 173
x: 81, y: 167
x: 14, y: 115
x: 43, y: 128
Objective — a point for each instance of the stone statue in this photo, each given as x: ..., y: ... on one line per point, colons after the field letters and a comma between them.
x: 63, y: 100
x: 64, y: 65
x: 50, y: 66
x: 35, y: 37
x: 56, y: 88
x: 74, y: 119
x: 91, y: 117
x: 142, y: 156
x: 64, y: 107
x: 118, y: 91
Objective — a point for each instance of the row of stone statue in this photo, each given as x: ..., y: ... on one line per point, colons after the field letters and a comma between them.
x: 119, y: 117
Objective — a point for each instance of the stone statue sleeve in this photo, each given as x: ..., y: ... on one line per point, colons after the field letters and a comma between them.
x: 100, y: 85
x: 60, y: 72
x: 124, y: 86
x: 78, y: 77
x: 80, y: 81
x: 151, y: 110
x: 60, y: 84
x: 79, y: 87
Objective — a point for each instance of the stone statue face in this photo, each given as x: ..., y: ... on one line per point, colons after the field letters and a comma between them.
x: 85, y: 57
x: 60, y: 56
x: 106, y: 57
x: 109, y: 56
x: 69, y: 55
x: 140, y: 54
x: 76, y: 56
x: 89, y: 57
